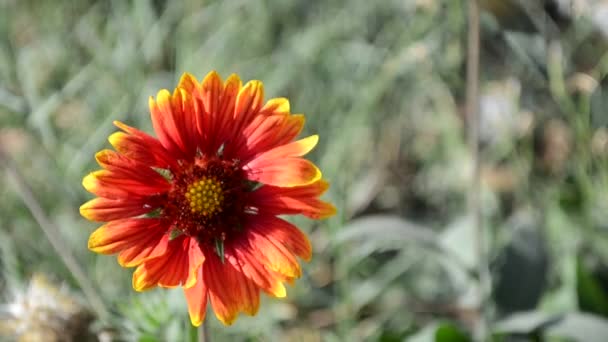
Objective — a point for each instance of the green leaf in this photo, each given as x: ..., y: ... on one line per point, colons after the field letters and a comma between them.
x: 524, y: 322
x: 580, y: 327
x: 591, y: 296
x: 440, y: 332
x: 521, y: 270
x: 573, y: 326
x: 219, y: 249
x: 147, y: 338
x: 457, y: 234
x: 450, y: 333
x: 385, y: 230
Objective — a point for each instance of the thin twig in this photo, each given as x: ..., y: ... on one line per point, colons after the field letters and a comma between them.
x: 481, y: 329
x: 54, y: 236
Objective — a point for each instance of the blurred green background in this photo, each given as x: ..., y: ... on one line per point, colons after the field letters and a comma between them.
x: 383, y: 84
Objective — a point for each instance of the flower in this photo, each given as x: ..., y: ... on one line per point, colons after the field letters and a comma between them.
x: 198, y: 206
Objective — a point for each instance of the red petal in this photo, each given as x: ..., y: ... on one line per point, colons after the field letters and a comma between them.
x: 267, y: 132
x: 142, y: 147
x: 196, y: 297
x: 143, y: 238
x: 129, y: 168
x: 223, y: 122
x: 187, y: 111
x: 295, y: 200
x: 230, y: 291
x: 108, y: 184
x: 104, y: 209
x: 273, y: 254
x: 150, y: 247
x: 168, y: 124
x: 286, y: 172
x: 176, y: 267
x: 241, y: 253
x: 294, y: 149
x: 248, y: 104
x: 283, y: 232
x: 210, y: 95
x: 189, y: 83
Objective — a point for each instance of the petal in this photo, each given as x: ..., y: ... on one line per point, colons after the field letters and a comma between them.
x: 281, y: 231
x: 294, y: 149
x: 276, y: 106
x: 176, y: 267
x: 150, y: 247
x: 188, y: 82
x: 168, y: 122
x: 295, y: 200
x: 195, y: 260
x: 188, y: 112
x: 211, y: 92
x: 248, y: 104
x: 143, y: 238
x: 230, y: 291
x: 129, y: 168
x: 222, y: 118
x: 273, y: 254
x: 196, y: 297
x: 286, y: 172
x: 108, y: 184
x: 142, y: 147
x: 241, y: 254
x: 267, y: 132
x: 104, y: 209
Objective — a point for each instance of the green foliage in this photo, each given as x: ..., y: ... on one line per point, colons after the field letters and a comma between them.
x: 592, y: 296
x: 382, y: 83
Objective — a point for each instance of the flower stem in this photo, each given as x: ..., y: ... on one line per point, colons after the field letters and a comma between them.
x: 203, y: 333
x: 474, y: 200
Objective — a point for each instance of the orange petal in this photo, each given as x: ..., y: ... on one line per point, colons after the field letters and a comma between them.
x: 168, y: 123
x: 241, y: 254
x: 104, y: 209
x: 223, y: 120
x: 174, y: 268
x: 230, y: 291
x: 284, y: 232
x: 249, y: 101
x: 294, y: 149
x: 144, y: 235
x: 149, y: 247
x: 286, y: 172
x: 276, y: 106
x: 267, y: 132
x: 273, y: 253
x: 125, y: 167
x: 104, y: 183
x: 211, y: 92
x: 195, y: 260
x: 295, y: 200
x: 142, y: 147
x: 188, y: 82
x: 196, y: 297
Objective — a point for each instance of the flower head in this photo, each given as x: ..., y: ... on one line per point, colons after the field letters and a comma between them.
x: 197, y: 207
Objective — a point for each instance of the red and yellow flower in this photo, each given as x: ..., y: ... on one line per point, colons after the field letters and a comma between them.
x: 197, y: 207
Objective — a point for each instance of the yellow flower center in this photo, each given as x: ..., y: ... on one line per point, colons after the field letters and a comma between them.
x: 205, y: 196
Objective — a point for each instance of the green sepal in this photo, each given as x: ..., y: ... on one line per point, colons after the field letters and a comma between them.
x: 219, y: 249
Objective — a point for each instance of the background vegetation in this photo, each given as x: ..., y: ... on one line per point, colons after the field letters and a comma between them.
x: 383, y: 84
